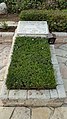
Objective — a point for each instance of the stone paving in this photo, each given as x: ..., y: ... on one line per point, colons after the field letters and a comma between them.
x: 61, y: 53
x: 37, y: 112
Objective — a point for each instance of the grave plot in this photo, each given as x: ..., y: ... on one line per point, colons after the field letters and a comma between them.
x: 32, y: 64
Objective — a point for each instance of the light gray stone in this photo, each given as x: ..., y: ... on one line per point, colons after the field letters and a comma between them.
x: 52, y: 49
x: 60, y: 113
x: 63, y: 70
x: 4, y: 92
x: 63, y: 47
x: 57, y: 74
x: 65, y: 84
x: 21, y: 113
x: 40, y: 94
x: 61, y: 91
x: 54, y: 59
x: 3, y: 8
x: 18, y: 94
x: 4, y: 34
x: 60, y: 33
x: 28, y: 28
x: 61, y: 53
x: 1, y: 83
x: 5, y: 112
x: 53, y: 93
x: 61, y: 59
x: 2, y: 71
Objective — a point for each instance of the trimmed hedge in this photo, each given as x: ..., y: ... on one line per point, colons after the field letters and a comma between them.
x: 57, y: 19
x: 31, y: 66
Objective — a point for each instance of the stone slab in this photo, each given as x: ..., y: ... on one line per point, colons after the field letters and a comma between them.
x: 4, y: 92
x: 53, y: 93
x: 18, y: 94
x: 5, y: 112
x: 61, y: 53
x: 2, y: 72
x: 57, y: 74
x: 32, y: 28
x: 5, y: 34
x: 41, y: 113
x: 63, y: 69
x: 38, y: 94
x: 60, y: 113
x: 1, y: 83
x: 60, y: 33
x: 65, y: 84
x: 21, y: 113
x: 61, y: 91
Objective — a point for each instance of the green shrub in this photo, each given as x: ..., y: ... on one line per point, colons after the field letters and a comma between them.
x: 4, y: 25
x: 1, y: 1
x: 31, y: 66
x: 15, y: 6
x: 57, y: 19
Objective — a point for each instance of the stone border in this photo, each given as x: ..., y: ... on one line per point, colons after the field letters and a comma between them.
x: 6, y: 37
x: 10, y: 23
x: 34, y: 97
x: 60, y: 34
x: 5, y: 34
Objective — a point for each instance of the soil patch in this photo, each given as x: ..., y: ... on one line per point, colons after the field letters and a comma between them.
x: 9, y: 17
x: 10, y: 29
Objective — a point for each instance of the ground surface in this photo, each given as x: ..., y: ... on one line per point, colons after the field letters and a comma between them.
x: 40, y: 112
x: 9, y: 17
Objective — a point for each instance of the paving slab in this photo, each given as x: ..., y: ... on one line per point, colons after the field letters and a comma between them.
x: 21, y: 113
x: 65, y: 84
x: 2, y: 72
x: 41, y: 113
x: 5, y: 112
x: 63, y: 70
x: 6, y: 39
x: 61, y: 53
x: 1, y: 83
x: 1, y: 104
x: 60, y: 113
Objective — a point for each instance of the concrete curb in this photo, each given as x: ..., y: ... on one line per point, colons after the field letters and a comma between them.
x: 5, y: 34
x: 60, y: 34
x: 9, y: 23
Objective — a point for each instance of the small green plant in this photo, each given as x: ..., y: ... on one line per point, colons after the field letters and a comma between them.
x: 4, y: 25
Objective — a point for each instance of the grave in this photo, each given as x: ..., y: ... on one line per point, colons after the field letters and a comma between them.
x: 34, y: 97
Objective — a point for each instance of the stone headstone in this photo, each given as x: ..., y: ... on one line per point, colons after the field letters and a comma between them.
x: 32, y: 28
x: 3, y: 8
